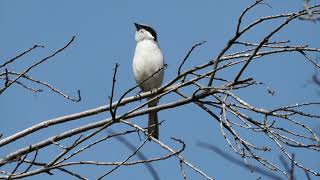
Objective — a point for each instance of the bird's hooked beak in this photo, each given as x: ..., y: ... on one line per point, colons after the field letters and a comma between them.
x: 138, y: 26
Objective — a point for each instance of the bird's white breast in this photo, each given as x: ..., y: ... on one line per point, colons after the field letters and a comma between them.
x: 147, y: 60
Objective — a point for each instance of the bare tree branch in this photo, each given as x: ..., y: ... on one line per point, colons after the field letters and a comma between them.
x: 36, y: 64
x: 20, y: 55
x: 232, y: 112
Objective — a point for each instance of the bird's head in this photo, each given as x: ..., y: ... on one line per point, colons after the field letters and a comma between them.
x: 145, y: 32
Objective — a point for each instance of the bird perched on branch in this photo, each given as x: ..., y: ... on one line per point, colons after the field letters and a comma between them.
x: 148, y: 68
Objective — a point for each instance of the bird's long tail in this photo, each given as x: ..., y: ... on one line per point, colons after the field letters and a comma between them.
x: 153, y: 126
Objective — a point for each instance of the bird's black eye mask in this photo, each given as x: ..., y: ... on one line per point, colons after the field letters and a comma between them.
x: 147, y: 28
x: 151, y: 31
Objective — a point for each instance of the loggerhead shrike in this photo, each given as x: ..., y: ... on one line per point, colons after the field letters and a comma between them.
x: 147, y: 62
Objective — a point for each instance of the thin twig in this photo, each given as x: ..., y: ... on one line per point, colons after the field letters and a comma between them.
x: 125, y: 160
x: 36, y: 64
x: 113, y: 112
x: 188, y: 54
x: 20, y: 55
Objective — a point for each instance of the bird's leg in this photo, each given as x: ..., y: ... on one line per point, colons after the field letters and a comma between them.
x: 154, y: 90
x: 138, y: 95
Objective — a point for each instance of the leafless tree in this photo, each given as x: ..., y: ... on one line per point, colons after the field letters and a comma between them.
x: 209, y: 92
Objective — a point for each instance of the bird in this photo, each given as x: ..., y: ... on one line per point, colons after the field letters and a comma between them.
x: 148, y: 69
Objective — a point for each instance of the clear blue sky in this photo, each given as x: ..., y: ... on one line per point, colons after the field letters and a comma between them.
x: 104, y: 36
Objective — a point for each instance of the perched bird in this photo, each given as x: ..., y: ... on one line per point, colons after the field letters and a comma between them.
x: 148, y: 63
